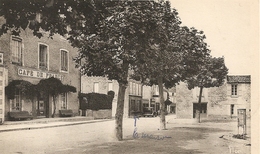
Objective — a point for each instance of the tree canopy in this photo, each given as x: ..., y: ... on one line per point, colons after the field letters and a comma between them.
x: 211, y: 73
x: 114, y: 37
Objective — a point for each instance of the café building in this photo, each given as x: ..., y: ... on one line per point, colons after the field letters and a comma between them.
x: 31, y: 59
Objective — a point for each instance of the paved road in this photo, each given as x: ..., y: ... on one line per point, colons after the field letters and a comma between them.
x: 99, y: 138
x: 63, y: 138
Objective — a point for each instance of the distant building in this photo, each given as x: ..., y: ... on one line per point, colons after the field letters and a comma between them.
x: 220, y: 101
x: 29, y: 58
x: 100, y: 85
x: 137, y: 96
x: 133, y: 94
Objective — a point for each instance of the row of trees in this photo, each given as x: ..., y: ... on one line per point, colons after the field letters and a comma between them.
x: 114, y: 37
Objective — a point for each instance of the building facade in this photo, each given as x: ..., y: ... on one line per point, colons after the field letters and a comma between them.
x: 223, y: 101
x: 137, y: 95
x: 31, y: 59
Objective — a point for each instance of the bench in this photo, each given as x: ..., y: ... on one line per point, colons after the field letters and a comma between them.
x: 66, y: 113
x: 19, y: 115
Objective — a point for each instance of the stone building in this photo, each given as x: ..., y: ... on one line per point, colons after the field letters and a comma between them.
x: 133, y: 94
x: 223, y: 101
x: 31, y: 59
x: 137, y: 96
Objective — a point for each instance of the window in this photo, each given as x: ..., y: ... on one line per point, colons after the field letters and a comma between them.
x: 140, y: 90
x: 131, y: 88
x: 17, y: 50
x: 96, y: 87
x: 234, y: 90
x: 232, y: 109
x: 63, y: 100
x: 17, y: 103
x: 134, y: 92
x: 138, y: 105
x: 136, y: 89
x: 110, y: 86
x: 64, y: 59
x: 43, y: 57
x: 1, y: 59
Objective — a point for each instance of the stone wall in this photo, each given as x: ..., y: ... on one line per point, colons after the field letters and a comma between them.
x: 184, y: 105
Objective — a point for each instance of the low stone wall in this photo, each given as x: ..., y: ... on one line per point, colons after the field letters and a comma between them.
x: 100, y: 114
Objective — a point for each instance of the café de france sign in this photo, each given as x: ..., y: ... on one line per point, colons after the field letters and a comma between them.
x: 38, y: 74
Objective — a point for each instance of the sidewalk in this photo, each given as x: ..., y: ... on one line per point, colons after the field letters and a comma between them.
x: 46, y: 123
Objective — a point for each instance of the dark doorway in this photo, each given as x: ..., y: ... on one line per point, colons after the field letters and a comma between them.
x: 203, y: 111
x: 42, y: 107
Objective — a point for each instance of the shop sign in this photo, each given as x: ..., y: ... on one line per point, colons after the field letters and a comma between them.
x: 38, y: 74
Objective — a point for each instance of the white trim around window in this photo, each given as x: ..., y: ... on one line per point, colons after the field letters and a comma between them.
x: 47, y: 56
x: 64, y: 66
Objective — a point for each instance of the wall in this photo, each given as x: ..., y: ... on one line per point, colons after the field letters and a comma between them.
x: 87, y: 86
x: 184, y: 98
x: 218, y: 100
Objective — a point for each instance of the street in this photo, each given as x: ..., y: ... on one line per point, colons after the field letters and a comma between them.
x: 145, y: 138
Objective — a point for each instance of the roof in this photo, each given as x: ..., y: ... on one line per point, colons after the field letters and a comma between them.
x: 238, y: 79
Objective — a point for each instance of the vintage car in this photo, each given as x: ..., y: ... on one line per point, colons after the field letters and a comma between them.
x: 149, y: 112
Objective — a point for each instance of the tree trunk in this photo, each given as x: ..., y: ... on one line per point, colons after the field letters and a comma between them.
x: 199, y: 108
x: 120, y: 103
x: 120, y: 112
x: 162, y: 116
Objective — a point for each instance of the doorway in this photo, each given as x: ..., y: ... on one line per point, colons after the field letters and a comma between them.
x: 203, y: 111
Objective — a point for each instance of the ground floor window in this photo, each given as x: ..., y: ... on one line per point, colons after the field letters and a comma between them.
x: 135, y: 106
x: 64, y: 103
x: 145, y: 105
x: 157, y: 107
x: 16, y: 103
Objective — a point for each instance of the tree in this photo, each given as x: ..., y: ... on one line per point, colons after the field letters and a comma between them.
x: 113, y: 37
x: 174, y: 49
x: 27, y: 89
x: 52, y: 16
x: 53, y: 87
x: 212, y: 73
x: 118, y: 46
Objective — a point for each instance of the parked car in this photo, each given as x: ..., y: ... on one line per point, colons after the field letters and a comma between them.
x: 149, y: 112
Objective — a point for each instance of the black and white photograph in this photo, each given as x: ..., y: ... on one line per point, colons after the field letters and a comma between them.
x: 129, y: 77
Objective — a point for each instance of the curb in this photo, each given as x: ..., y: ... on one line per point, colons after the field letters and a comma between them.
x: 52, y: 126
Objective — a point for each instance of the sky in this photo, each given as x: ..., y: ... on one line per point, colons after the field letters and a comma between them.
x: 231, y: 29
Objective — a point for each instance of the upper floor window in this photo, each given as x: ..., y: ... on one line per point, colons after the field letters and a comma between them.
x: 234, y: 90
x: 43, y: 56
x: 64, y: 59
x: 17, y: 50
x: 96, y: 87
x: 135, y: 88
x: 110, y: 86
